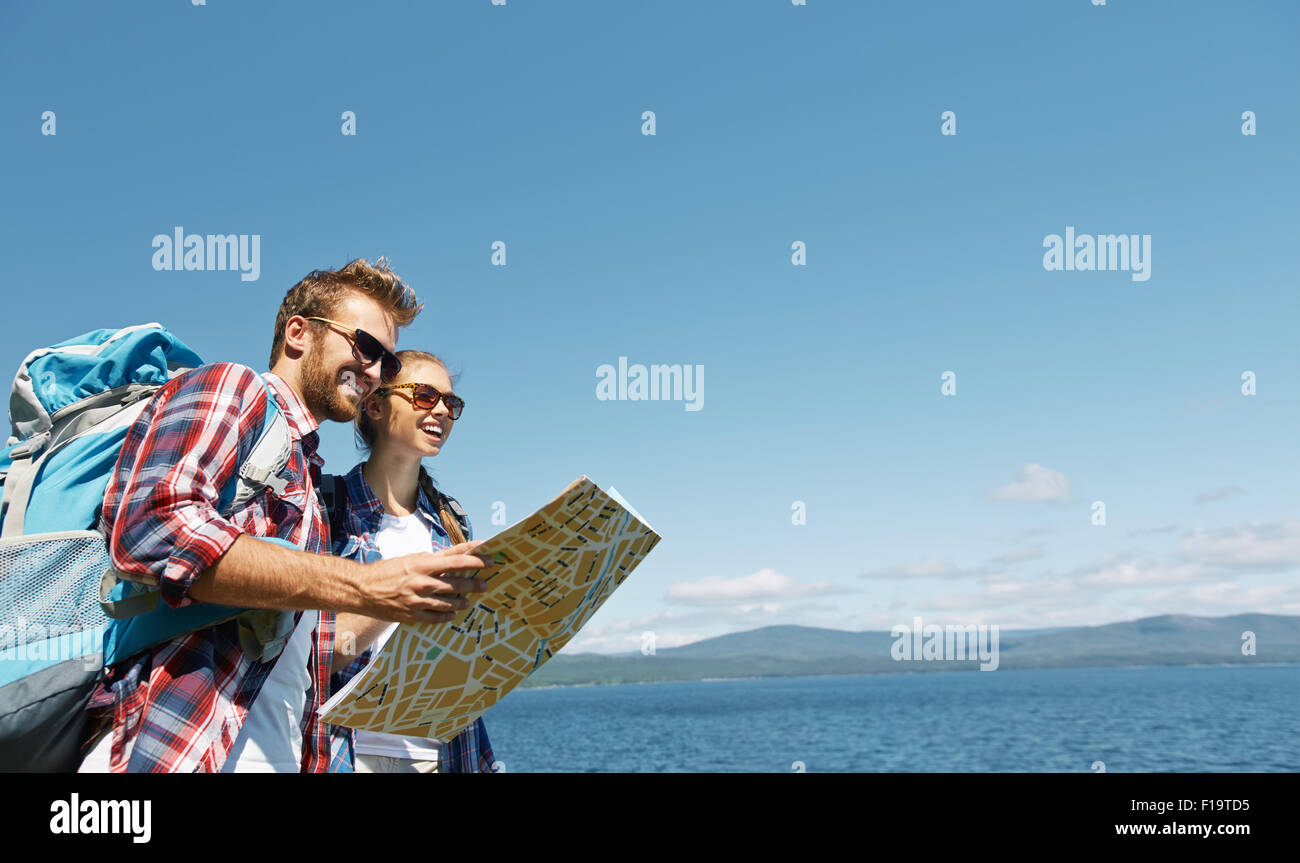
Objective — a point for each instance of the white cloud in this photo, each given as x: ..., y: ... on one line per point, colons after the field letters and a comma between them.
x: 757, y: 609
x: 630, y: 642
x: 1032, y: 532
x: 1044, y: 615
x: 1035, y: 484
x: 1164, y: 528
x: 931, y: 568
x: 958, y: 601
x: 764, y: 584
x: 1275, y: 545
x: 1141, y: 572
x: 637, y: 624
x: 920, y: 569
x: 1074, y: 597
x: 1019, y: 590
x: 1018, y: 555
x: 1012, y: 589
x: 1003, y: 592
x: 1219, y: 494
x: 1224, y: 598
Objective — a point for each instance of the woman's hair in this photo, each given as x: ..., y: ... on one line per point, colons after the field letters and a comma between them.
x: 365, y: 427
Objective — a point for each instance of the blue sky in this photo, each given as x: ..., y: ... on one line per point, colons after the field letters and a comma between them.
x: 774, y: 124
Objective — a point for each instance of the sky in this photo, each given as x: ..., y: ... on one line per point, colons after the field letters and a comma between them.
x: 819, y: 475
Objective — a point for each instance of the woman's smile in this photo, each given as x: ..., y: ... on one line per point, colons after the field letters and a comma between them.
x: 433, y: 430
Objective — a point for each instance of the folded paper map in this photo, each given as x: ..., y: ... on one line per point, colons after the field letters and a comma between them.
x: 553, y: 570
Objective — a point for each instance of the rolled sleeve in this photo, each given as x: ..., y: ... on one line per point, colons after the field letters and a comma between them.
x: 200, y: 543
x: 162, y: 503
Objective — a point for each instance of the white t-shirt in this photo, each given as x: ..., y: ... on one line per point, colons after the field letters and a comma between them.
x: 398, y: 536
x: 262, y: 746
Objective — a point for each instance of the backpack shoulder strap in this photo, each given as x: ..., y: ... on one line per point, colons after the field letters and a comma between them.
x: 334, y: 497
x: 268, y: 457
x: 458, y: 512
x: 455, y: 521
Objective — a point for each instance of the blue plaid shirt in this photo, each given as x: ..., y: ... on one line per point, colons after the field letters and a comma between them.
x: 467, y: 752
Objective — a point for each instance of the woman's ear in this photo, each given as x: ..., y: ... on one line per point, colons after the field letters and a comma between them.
x: 372, y: 408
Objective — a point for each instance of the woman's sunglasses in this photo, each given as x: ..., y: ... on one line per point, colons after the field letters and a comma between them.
x: 366, y: 349
x: 425, y: 398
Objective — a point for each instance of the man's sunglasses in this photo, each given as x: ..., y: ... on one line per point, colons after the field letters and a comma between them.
x: 425, y: 398
x: 366, y: 349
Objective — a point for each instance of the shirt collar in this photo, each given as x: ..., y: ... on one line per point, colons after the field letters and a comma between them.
x: 301, y: 422
x: 363, y: 498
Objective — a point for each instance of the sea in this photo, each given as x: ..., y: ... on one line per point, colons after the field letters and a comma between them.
x: 1080, y: 720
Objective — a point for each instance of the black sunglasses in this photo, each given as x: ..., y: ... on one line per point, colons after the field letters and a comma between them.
x: 425, y: 398
x: 366, y: 349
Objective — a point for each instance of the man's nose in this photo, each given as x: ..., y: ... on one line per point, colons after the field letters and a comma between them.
x: 372, y: 376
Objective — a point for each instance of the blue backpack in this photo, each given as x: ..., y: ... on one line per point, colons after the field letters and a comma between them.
x: 64, y: 612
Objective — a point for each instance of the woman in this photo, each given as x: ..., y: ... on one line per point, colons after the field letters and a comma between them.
x: 385, y: 507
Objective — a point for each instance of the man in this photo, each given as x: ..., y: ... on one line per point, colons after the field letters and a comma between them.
x: 199, y: 702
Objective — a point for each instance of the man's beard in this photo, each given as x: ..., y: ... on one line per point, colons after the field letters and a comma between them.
x: 320, y: 391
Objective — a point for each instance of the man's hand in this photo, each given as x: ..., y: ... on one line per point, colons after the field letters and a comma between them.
x: 415, y: 584
x: 418, y: 587
x: 423, y: 588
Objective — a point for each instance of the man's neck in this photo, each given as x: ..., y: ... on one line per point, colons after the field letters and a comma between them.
x: 395, y: 479
x: 288, y: 372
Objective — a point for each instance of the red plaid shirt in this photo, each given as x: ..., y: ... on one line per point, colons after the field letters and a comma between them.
x: 178, y: 707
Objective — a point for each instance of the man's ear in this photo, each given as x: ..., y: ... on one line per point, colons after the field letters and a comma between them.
x: 297, y: 335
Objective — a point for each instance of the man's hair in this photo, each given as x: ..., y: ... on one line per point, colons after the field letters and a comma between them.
x: 321, y: 292
x: 365, y: 426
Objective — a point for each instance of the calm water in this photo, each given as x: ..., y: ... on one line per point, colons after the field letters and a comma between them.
x: 1133, y: 719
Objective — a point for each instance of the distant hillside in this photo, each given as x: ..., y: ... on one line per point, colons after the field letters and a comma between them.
x: 797, y: 651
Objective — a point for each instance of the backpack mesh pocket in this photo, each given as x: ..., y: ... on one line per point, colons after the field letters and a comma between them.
x: 49, y: 594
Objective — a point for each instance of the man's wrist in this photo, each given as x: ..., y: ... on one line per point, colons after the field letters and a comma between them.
x: 351, y: 587
x: 256, y: 574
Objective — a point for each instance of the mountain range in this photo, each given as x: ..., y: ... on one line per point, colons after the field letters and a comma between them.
x: 798, y: 651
